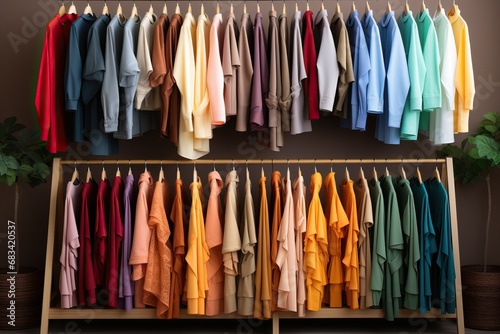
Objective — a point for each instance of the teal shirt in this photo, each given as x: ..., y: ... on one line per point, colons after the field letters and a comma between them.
x: 411, y: 253
x: 394, y: 249
x: 379, y: 255
x: 417, y: 72
x: 431, y: 98
x: 443, y: 270
x: 427, y: 239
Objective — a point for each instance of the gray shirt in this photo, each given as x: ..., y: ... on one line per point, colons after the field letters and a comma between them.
x: 245, y: 72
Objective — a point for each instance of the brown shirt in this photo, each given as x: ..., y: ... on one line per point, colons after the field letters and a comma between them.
x: 245, y: 72
x: 158, y: 55
x: 171, y: 97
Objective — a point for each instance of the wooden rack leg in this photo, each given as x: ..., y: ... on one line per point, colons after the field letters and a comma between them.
x: 49, y: 255
x: 276, y: 323
x: 456, y: 249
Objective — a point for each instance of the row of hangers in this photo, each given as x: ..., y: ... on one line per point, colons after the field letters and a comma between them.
x: 134, y: 14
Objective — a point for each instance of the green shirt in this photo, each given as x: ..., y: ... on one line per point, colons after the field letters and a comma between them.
x: 379, y: 255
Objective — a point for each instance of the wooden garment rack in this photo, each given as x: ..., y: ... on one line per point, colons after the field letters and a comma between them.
x: 50, y: 290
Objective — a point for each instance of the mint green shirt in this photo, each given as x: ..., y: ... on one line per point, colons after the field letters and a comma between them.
x: 431, y: 98
x: 417, y: 71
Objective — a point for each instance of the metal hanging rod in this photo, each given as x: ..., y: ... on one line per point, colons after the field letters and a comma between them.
x: 253, y: 161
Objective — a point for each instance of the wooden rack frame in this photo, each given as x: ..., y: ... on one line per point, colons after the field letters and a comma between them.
x: 54, y: 226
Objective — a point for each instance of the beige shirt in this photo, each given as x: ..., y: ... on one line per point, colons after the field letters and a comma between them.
x: 230, y: 65
x: 245, y: 72
x: 215, y: 74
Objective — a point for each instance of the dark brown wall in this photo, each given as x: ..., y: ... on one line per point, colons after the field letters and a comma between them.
x: 25, y: 20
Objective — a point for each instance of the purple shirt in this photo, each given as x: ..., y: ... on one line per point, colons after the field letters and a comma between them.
x: 260, y: 83
x: 126, y: 285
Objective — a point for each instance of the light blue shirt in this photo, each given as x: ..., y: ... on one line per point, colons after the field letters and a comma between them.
x: 397, y: 81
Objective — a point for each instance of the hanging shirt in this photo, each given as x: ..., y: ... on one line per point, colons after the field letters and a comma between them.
x: 285, y: 100
x: 376, y: 80
x: 70, y: 245
x: 179, y: 219
x: 427, y: 243
x: 397, y: 82
x: 275, y: 132
x: 351, y: 256
x: 100, y: 233
x: 146, y: 97
x: 365, y: 221
x: 245, y: 72
x: 337, y: 221
x: 299, y: 118
x: 431, y: 98
x: 170, y: 92
x: 417, y: 70
x: 102, y: 143
x: 441, y: 122
x: 77, y: 53
x: 215, y: 74
x: 379, y: 254
x: 344, y: 60
x: 230, y: 65
x: 159, y: 64
x: 197, y: 254
x: 299, y: 203
x: 310, y: 60
x: 443, y: 265
x: 315, y: 248
x: 159, y: 267
x: 202, y: 115
x: 391, y: 297
x: 142, y: 236
x: 86, y: 281
x: 115, y: 237
x: 126, y: 284
x: 464, y: 74
x: 248, y: 241
x: 286, y: 258
x: 184, y: 75
x: 262, y: 306
x: 260, y: 80
x: 356, y: 119
x: 276, y: 199
x: 50, y: 86
x: 214, y: 235
x: 231, y: 243
x: 409, y: 282
x: 327, y: 65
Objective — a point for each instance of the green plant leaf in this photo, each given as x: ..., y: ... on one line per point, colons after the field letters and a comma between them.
x: 3, y: 167
x: 10, y: 121
x: 486, y: 147
x: 492, y: 116
x: 11, y: 162
x: 10, y: 179
x: 491, y: 128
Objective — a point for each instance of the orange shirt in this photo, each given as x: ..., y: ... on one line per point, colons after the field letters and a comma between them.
x: 159, y: 267
x: 315, y: 247
x: 277, y: 212
x: 337, y: 220
x: 262, y: 307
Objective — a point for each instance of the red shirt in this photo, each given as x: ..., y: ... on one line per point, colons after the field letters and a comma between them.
x: 49, y: 98
x: 102, y: 214
x: 115, y: 237
x: 311, y: 82
x: 86, y: 280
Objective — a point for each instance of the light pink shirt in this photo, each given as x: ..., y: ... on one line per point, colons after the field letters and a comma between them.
x: 215, y: 74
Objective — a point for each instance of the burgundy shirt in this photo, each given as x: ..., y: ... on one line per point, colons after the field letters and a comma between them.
x: 86, y: 279
x: 115, y: 237
x: 100, y: 233
x: 310, y: 57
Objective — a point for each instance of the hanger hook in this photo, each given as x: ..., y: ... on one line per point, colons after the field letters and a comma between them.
x: 262, y: 163
x: 161, y: 164
x: 233, y: 164
x: 331, y: 165
x: 288, y: 163
x: 315, y: 169
x: 75, y: 164
x: 214, y: 165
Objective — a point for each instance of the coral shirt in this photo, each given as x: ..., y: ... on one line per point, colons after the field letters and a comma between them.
x: 277, y: 213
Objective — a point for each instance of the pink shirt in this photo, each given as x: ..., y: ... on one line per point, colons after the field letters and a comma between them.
x: 215, y: 75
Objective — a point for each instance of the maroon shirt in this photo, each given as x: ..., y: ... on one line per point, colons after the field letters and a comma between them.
x: 102, y: 214
x: 115, y: 237
x: 86, y: 279
x: 310, y: 57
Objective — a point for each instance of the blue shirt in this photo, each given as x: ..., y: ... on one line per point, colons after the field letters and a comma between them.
x: 356, y: 118
x: 397, y: 82
x: 376, y: 83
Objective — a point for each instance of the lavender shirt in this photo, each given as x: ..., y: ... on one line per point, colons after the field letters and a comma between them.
x: 260, y: 83
x: 126, y: 285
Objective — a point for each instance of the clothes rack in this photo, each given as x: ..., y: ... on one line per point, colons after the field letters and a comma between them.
x: 53, y: 312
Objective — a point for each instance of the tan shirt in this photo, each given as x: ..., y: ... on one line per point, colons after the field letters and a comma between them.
x: 245, y: 72
x: 230, y: 65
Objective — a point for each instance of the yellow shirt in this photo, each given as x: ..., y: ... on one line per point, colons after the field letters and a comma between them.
x: 464, y: 75
x: 315, y: 247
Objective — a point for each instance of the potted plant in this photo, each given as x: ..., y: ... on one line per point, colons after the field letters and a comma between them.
x: 474, y: 160
x: 23, y: 160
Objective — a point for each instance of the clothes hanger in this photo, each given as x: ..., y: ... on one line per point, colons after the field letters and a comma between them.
x: 361, y: 174
x: 388, y: 9
x: 177, y: 9
x: 403, y: 173
x: 367, y: 8
x: 129, y: 168
x: 419, y: 176
x: 272, y: 5
x: 88, y: 9
x: 217, y: 8
x: 161, y: 175
x: 75, y: 175
x: 165, y: 11
x: 437, y: 174
x: 338, y: 8
x: 189, y: 7
x: 440, y: 6
x: 454, y: 8
x: 62, y: 9
x: 231, y: 8
x: 72, y: 9
x: 374, y: 173
x: 178, y: 176
x: 407, y: 8
x: 119, y: 10
x: 258, y: 7
x: 133, y: 13
x: 105, y: 10
x: 307, y: 5
x: 387, y: 174
x: 244, y: 7
x: 422, y: 8
x: 89, y: 175
x: 195, y: 173
x: 284, y: 7
x: 353, y: 7
x: 300, y: 172
x: 296, y: 6
x: 151, y: 10
x: 347, y: 177
x: 322, y: 5
x: 104, y: 176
